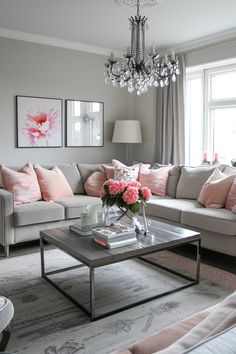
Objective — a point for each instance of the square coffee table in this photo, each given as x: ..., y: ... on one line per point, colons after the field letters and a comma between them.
x: 162, y: 236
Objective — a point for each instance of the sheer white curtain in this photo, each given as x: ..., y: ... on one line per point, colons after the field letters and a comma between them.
x: 169, y: 120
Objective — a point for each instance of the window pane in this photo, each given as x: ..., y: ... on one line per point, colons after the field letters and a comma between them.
x: 223, y: 85
x: 225, y: 133
x: 194, y: 121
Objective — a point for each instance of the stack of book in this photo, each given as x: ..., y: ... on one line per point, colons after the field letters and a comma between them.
x: 116, y: 235
x: 83, y: 230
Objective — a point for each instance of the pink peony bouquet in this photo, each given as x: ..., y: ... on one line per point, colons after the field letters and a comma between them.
x: 127, y: 196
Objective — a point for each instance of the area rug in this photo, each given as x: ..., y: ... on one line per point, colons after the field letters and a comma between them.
x: 45, y: 322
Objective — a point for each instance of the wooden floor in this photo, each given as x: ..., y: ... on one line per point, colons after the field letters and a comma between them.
x: 215, y: 259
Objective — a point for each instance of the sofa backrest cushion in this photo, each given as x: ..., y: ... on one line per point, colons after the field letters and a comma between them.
x: 191, y: 181
x: 73, y: 176
x: 173, y: 179
x: 86, y: 170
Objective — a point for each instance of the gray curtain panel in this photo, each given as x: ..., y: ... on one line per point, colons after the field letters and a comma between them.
x: 169, y: 120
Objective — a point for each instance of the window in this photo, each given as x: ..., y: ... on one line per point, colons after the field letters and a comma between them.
x: 211, y: 114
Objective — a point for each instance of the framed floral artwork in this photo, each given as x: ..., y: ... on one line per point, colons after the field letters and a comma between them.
x: 39, y: 122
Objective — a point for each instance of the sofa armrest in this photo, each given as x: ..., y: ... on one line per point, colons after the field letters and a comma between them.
x: 6, y: 218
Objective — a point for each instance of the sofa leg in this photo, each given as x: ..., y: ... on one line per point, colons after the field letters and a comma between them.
x: 6, y: 251
x: 5, y: 339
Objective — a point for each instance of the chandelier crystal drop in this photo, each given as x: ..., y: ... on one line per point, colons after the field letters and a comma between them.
x: 139, y: 70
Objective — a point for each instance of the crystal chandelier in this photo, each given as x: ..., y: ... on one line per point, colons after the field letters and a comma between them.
x: 139, y: 70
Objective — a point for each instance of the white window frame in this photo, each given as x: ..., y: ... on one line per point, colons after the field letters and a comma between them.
x: 208, y: 105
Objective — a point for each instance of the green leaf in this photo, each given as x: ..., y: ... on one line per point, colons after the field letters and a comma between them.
x: 112, y: 201
x: 135, y: 207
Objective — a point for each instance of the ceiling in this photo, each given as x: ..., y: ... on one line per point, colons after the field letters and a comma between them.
x: 104, y: 23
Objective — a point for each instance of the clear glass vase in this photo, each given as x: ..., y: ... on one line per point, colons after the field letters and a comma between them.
x: 145, y: 223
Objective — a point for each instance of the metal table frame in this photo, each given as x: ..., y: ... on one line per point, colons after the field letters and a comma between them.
x: 91, y: 312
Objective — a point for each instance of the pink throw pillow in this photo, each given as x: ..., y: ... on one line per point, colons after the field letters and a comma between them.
x: 231, y: 199
x: 94, y: 183
x: 215, y: 190
x: 53, y: 183
x: 23, y: 184
x: 234, y: 209
x: 156, y: 180
x: 109, y: 171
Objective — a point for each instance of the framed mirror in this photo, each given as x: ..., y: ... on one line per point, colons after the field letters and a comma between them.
x: 84, y: 123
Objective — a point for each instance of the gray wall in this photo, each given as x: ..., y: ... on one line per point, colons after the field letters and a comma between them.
x: 211, y: 53
x: 44, y: 71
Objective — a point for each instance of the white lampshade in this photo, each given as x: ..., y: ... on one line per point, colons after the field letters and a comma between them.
x: 127, y: 131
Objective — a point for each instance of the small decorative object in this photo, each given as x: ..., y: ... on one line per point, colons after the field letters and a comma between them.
x: 205, y: 159
x: 91, y: 218
x: 84, y: 123
x: 216, y: 159
x: 129, y: 197
x: 39, y: 122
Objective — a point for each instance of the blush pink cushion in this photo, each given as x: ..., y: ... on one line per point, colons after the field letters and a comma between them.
x: 156, y: 180
x: 231, y: 199
x: 53, y: 183
x: 94, y: 183
x: 109, y: 171
x: 23, y: 184
x: 215, y: 190
x: 234, y: 209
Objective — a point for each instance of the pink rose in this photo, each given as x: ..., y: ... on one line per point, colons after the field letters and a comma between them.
x: 102, y: 192
x: 146, y: 193
x: 116, y: 187
x: 131, y: 196
x: 135, y: 184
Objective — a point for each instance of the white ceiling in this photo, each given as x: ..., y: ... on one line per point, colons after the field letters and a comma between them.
x: 103, y: 23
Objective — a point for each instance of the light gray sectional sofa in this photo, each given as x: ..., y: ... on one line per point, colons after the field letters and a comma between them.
x: 180, y: 208
x: 23, y: 222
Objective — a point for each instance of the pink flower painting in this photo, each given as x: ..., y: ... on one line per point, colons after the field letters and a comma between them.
x: 39, y: 126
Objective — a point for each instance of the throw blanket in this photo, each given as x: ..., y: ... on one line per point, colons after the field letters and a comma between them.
x: 223, y: 317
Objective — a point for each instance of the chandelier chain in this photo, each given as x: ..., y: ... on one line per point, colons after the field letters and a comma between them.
x: 138, y: 7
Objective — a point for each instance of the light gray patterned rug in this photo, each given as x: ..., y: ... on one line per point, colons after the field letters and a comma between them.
x: 45, y: 322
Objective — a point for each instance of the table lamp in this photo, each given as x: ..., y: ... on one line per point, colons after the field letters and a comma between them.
x: 127, y: 132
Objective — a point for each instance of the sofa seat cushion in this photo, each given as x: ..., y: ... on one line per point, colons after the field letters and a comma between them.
x: 215, y: 220
x: 37, y: 212
x: 170, y: 209
x: 74, y: 206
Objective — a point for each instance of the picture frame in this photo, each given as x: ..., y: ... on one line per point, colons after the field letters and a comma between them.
x: 84, y: 123
x: 39, y: 122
